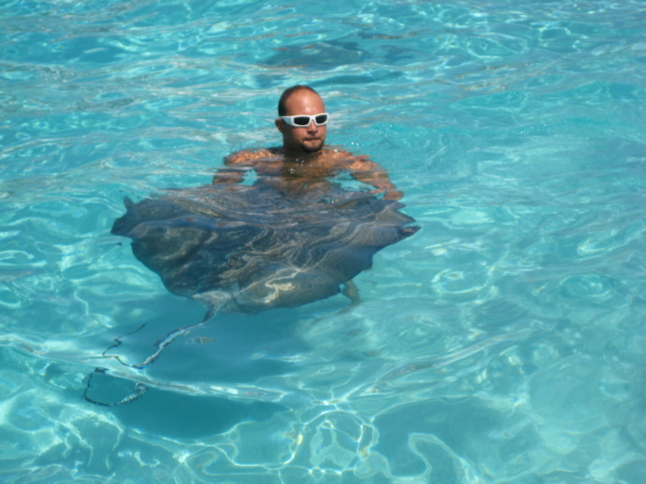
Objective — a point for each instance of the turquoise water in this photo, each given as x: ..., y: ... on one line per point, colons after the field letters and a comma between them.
x: 503, y: 343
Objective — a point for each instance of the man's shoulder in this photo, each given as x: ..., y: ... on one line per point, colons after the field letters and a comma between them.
x: 249, y: 156
x: 348, y: 159
x: 335, y: 154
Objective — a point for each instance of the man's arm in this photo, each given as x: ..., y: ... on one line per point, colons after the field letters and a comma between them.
x: 369, y: 172
x: 236, y: 165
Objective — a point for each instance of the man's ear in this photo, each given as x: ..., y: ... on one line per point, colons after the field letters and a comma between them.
x: 280, y: 124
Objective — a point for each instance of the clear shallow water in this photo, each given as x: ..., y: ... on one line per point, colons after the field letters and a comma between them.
x: 503, y: 343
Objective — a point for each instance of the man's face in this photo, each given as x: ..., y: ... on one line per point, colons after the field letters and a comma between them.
x: 307, y: 139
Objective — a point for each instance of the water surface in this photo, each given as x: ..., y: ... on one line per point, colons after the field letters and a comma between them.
x: 503, y: 343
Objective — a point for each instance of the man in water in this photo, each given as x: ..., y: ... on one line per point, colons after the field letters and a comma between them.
x: 303, y: 164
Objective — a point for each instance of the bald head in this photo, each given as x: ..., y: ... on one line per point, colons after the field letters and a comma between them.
x: 282, y: 110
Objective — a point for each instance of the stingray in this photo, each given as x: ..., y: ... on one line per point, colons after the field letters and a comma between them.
x: 241, y: 248
x: 253, y: 248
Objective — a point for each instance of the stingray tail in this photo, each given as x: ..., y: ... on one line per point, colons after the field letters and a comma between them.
x: 139, y: 388
x: 138, y: 391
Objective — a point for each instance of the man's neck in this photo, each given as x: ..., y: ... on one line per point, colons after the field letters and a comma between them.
x: 301, y: 155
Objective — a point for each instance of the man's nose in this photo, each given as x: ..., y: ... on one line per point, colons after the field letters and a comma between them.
x: 313, y: 126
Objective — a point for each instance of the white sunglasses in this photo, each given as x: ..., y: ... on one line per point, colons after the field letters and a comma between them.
x: 304, y: 120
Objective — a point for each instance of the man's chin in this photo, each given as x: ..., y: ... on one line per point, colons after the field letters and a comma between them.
x: 312, y: 146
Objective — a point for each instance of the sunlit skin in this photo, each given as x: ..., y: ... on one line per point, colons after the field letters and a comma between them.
x: 303, y: 164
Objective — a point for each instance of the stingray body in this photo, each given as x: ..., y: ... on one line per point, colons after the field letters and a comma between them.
x: 251, y: 248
